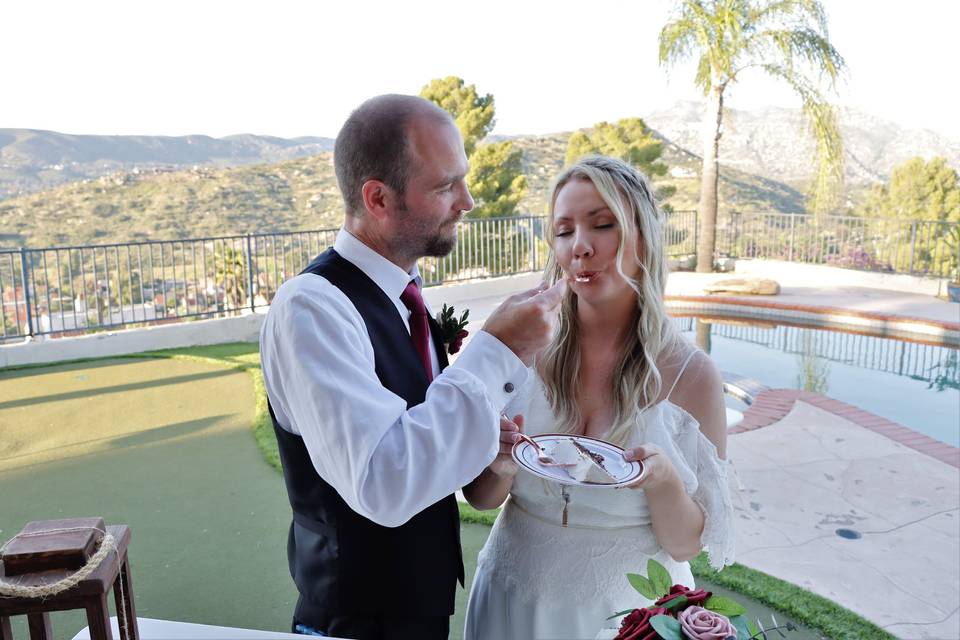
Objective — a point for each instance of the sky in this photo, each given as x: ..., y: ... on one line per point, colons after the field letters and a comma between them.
x: 297, y: 68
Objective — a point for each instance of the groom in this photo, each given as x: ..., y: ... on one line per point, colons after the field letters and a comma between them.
x: 375, y: 432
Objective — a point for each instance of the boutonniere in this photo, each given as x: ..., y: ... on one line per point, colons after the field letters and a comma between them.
x: 452, y: 331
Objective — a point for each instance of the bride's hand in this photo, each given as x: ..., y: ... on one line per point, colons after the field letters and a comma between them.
x: 657, y: 468
x: 503, y: 465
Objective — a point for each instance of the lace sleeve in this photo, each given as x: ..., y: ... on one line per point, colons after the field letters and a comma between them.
x: 713, y: 497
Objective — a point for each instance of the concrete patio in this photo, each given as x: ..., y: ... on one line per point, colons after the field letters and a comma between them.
x: 814, y: 473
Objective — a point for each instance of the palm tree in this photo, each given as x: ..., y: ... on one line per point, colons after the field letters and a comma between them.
x: 230, y: 265
x: 787, y: 39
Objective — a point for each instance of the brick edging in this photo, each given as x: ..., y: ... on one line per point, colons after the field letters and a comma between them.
x: 771, y: 406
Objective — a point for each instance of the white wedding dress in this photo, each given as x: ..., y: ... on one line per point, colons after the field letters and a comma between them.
x: 537, y: 580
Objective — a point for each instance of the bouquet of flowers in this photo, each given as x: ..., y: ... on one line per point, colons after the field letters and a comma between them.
x: 695, y: 614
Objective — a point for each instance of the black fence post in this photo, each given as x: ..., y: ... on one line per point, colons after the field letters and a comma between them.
x: 25, y: 283
x: 913, y: 243
x: 253, y: 304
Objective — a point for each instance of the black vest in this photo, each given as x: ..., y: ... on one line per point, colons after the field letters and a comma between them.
x: 341, y: 561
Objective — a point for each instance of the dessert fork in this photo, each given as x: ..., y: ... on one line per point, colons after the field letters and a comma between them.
x: 542, y: 456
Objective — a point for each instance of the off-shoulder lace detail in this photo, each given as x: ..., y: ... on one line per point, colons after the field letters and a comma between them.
x: 713, y: 497
x: 702, y: 471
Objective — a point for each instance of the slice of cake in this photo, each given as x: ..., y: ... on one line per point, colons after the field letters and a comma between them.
x: 585, y: 465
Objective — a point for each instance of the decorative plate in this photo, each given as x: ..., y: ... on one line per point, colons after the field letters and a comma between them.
x: 625, y: 473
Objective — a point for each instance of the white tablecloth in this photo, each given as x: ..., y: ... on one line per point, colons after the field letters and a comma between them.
x: 151, y: 629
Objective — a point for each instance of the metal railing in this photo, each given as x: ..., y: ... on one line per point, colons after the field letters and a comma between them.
x: 69, y: 290
x: 936, y: 365
x: 680, y: 233
x: 73, y: 290
x: 914, y: 247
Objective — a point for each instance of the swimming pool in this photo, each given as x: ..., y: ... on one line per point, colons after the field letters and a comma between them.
x: 914, y: 384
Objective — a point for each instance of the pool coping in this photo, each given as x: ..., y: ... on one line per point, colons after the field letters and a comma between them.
x: 769, y: 406
x: 873, y: 323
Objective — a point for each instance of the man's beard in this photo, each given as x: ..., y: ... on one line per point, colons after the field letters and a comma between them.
x: 439, y: 246
x: 420, y: 242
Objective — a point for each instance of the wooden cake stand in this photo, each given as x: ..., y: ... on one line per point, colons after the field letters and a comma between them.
x: 89, y: 594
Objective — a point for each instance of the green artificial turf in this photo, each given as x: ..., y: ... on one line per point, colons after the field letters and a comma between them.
x: 159, y: 441
x: 171, y: 456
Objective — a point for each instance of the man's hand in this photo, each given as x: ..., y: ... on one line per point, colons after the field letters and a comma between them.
x: 525, y: 321
x: 503, y: 465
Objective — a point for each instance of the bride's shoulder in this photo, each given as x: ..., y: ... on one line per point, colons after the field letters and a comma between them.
x: 682, y: 364
x: 697, y: 388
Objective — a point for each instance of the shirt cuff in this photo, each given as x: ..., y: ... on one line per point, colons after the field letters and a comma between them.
x: 497, y: 367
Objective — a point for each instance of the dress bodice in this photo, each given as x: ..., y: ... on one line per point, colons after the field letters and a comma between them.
x: 593, y: 507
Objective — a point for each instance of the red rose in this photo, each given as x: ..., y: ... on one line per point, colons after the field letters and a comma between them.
x: 457, y: 341
x: 695, y: 597
x: 636, y: 626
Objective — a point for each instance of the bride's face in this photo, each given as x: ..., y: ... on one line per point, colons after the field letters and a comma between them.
x: 586, y: 238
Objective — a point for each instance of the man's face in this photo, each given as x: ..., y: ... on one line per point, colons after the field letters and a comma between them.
x: 436, y: 195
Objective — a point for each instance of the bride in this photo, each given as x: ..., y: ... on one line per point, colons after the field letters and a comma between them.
x: 615, y: 370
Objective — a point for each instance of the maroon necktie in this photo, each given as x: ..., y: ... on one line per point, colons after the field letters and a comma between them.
x: 419, y: 325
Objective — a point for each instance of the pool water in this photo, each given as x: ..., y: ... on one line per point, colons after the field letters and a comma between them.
x: 916, y: 385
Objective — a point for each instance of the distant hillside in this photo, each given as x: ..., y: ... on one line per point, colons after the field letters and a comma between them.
x: 123, y: 188
x: 32, y: 160
x: 153, y: 204
x: 543, y: 158
x: 160, y: 205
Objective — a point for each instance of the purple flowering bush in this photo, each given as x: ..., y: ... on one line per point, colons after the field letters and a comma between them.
x: 857, y: 258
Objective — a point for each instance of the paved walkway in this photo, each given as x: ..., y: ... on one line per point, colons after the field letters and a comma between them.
x: 809, y: 470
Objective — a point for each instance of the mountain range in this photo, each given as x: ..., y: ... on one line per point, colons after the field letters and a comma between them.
x: 60, y: 189
x: 773, y: 142
x: 33, y: 160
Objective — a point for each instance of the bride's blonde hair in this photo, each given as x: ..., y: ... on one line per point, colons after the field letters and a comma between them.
x: 636, y: 381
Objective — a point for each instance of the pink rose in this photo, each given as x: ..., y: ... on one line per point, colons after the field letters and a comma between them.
x: 698, y: 623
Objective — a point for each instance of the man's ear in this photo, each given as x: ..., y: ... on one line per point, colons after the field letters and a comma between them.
x: 378, y: 199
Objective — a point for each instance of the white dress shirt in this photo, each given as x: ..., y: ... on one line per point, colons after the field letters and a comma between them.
x: 388, y: 463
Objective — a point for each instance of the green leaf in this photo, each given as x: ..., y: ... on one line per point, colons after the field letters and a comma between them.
x: 620, y: 613
x: 667, y: 627
x: 751, y: 627
x: 676, y: 603
x: 724, y: 606
x: 659, y: 577
x: 643, y: 586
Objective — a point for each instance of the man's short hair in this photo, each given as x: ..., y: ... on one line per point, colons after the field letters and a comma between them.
x: 373, y: 145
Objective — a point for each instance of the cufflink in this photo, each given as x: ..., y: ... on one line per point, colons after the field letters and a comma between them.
x: 508, y: 387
